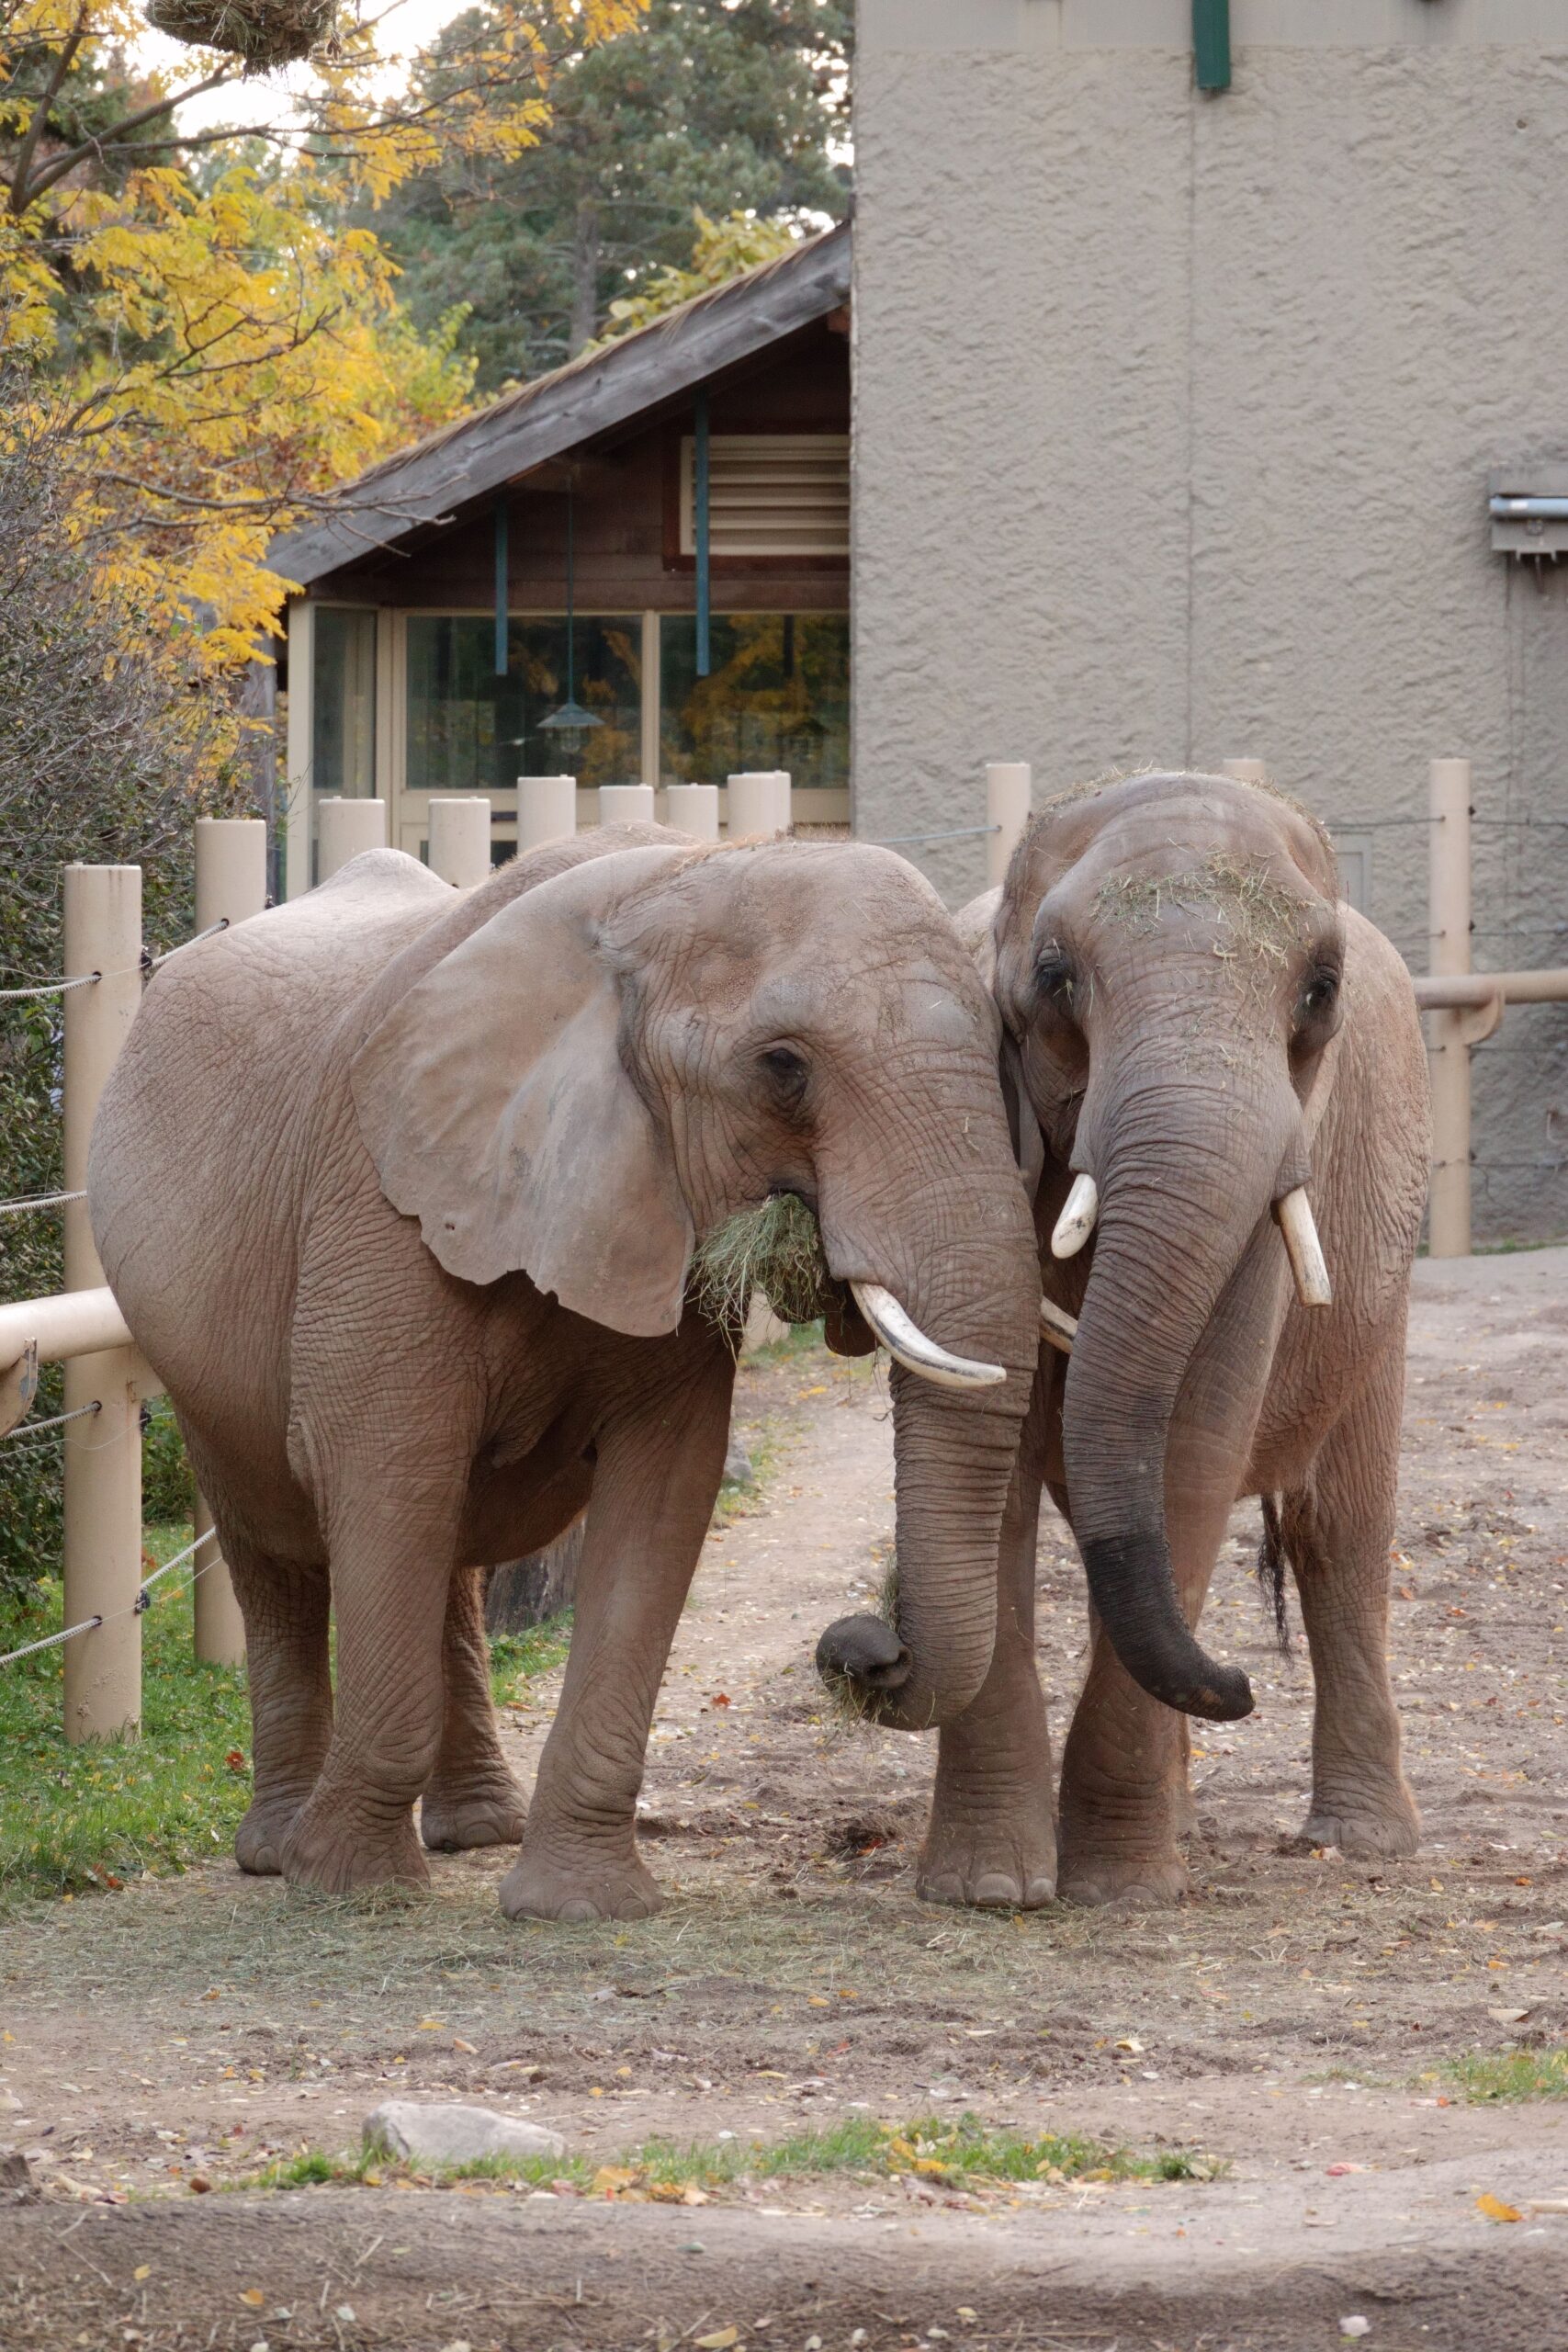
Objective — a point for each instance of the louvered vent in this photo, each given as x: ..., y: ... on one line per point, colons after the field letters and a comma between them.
x: 772, y: 494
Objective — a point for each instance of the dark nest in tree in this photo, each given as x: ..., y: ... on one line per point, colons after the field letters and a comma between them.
x: 263, y: 32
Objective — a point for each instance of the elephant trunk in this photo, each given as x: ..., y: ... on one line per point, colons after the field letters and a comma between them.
x: 924, y: 1666
x: 956, y: 1251
x: 1178, y: 1206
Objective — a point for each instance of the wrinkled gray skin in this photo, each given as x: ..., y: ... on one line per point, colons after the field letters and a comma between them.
x: 1192, y: 1020
x: 397, y: 1190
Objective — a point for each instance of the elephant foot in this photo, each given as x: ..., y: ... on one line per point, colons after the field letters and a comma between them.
x: 1365, y: 1828
x: 261, y: 1836
x: 994, y: 1866
x: 332, y: 1851
x: 577, y: 1891
x: 489, y: 1813
x: 1144, y: 1882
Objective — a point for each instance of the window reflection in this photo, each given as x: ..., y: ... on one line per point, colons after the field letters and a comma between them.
x: 778, y: 697
x: 469, y: 731
x: 342, y: 709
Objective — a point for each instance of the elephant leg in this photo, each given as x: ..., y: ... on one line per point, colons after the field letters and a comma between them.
x: 470, y: 1798
x: 659, y: 1463
x: 992, y: 1837
x: 1338, y: 1530
x: 287, y: 1610
x: 393, y: 1540
x: 1125, y: 1806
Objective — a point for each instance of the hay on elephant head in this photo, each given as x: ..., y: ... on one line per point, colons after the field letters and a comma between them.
x: 776, y: 1249
x: 263, y: 32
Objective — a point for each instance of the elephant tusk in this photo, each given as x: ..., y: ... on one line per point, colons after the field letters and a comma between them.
x: 1305, y: 1250
x: 908, y: 1344
x: 1077, y: 1221
x: 1057, y: 1328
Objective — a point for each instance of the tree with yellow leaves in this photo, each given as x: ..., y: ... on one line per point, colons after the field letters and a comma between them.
x: 226, y: 350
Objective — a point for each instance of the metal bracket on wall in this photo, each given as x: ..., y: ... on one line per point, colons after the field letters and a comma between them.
x: 1211, y: 43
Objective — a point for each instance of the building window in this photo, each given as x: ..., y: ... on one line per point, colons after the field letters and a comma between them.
x: 469, y: 731
x: 342, y: 724
x: 777, y: 697
x: 771, y: 495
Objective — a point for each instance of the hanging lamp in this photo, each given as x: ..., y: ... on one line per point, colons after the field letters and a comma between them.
x: 571, y: 725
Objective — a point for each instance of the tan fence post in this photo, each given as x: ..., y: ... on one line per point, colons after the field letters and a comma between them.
x: 783, y: 808
x: 547, y: 810
x: 1448, y: 953
x: 753, y: 806
x: 1245, y: 771
x: 1009, y: 785
x: 103, y: 1453
x: 231, y: 887
x: 625, y: 804
x: 693, y: 808
x: 345, y: 828
x: 459, y: 839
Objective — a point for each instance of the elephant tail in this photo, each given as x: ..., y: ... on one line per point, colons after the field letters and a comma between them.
x: 1272, y: 1565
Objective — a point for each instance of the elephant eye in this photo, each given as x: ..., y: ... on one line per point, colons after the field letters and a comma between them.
x: 1055, y: 978
x: 784, y: 1067
x: 1321, y: 994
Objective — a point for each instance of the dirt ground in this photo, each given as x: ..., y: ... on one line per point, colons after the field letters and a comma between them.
x: 1291, y: 2019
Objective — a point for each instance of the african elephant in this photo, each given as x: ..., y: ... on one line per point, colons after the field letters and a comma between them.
x: 1202, y: 1048
x: 399, y: 1191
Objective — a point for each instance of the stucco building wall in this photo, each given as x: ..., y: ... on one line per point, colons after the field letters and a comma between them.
x: 1173, y: 419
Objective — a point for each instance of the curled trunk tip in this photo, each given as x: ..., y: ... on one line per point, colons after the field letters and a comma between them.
x: 1131, y: 1587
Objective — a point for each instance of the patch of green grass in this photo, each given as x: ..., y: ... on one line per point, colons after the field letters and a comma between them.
x: 1509, y: 2074
x: 77, y: 1818
x: 953, y: 2153
x: 517, y: 1660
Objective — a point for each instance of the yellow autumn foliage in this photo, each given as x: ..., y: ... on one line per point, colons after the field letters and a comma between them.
x: 225, y: 347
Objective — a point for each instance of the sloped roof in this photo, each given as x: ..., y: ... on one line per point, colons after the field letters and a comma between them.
x: 480, y: 454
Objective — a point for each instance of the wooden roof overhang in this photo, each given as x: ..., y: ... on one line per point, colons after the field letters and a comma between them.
x: 627, y: 383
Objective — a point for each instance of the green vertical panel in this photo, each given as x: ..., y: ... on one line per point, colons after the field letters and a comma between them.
x: 1211, y: 43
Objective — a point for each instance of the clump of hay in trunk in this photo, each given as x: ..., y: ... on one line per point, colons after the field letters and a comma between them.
x: 263, y: 32
x: 776, y: 1249
x: 850, y: 1701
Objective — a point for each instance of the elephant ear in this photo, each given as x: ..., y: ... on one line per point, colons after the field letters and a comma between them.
x: 499, y: 1110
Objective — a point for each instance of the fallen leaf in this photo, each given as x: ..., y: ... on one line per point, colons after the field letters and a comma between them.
x: 200, y: 2185
x: 467, y: 2047
x: 1130, y: 2042
x: 611, y: 2178
x: 1509, y: 2016
x: 235, y: 1761
x: 720, y: 1698
x: 143, y: 2270
x: 1495, y: 2208
x: 430, y: 2025
x: 254, y: 2296
x: 1355, y: 2326
x: 719, y: 2341
x: 1337, y: 2171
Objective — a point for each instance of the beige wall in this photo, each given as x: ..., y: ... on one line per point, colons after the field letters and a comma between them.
x: 1174, y: 417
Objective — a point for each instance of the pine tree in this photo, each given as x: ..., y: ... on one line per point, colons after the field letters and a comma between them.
x: 712, y: 105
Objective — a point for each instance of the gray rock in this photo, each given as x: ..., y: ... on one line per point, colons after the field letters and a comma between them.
x: 454, y: 2135
x: 17, y: 2185
x: 738, y: 1470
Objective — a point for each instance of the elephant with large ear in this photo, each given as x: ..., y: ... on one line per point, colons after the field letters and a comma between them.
x: 399, y: 1191
x: 1217, y: 1084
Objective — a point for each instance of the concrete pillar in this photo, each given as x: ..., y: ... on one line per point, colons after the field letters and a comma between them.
x: 230, y: 886
x: 625, y: 804
x: 345, y: 828
x: 693, y: 808
x: 1449, y: 952
x: 1009, y: 786
x: 103, y: 1454
x: 547, y: 810
x: 1245, y: 771
x: 459, y: 839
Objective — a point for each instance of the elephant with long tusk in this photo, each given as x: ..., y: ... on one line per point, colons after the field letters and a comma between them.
x: 1218, y: 1091
x: 439, y: 1274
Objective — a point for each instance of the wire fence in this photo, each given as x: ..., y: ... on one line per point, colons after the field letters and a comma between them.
x: 137, y: 1607
x: 145, y: 962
